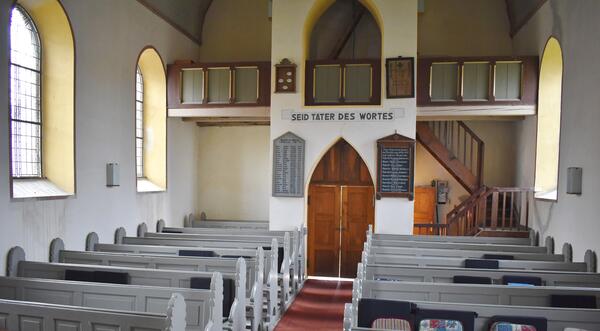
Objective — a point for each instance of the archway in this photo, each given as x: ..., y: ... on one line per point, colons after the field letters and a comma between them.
x: 340, y: 209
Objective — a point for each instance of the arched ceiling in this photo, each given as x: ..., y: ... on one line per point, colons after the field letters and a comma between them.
x: 186, y: 16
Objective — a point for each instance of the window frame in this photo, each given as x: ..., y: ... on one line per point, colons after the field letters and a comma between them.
x: 140, y: 74
x: 562, y: 90
x: 28, y: 17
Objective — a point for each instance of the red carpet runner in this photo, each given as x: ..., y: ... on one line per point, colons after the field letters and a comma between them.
x: 318, y: 307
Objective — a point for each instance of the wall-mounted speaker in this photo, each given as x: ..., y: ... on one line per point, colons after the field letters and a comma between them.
x: 112, y: 174
x: 574, y: 180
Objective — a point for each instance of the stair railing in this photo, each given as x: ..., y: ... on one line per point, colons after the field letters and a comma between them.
x: 505, y: 208
x: 463, y: 145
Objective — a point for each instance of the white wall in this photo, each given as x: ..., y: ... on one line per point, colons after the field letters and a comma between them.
x: 233, y: 172
x: 109, y: 35
x: 399, y: 37
x: 572, y: 218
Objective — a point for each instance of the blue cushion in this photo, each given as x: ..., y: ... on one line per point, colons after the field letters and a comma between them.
x: 111, y: 277
x: 370, y: 310
x: 189, y: 252
x: 79, y: 275
x: 573, y: 301
x: 471, y: 280
x: 540, y: 323
x: 466, y: 318
x: 203, y: 283
x: 508, y: 279
x: 497, y: 257
x: 481, y: 264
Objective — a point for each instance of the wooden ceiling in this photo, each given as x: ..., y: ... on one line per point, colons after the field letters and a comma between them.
x: 187, y: 16
x: 520, y: 11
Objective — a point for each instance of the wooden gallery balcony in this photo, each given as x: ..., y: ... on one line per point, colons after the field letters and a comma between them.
x: 220, y: 93
x: 448, y: 88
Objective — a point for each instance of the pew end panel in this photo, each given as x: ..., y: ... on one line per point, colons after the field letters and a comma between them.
x: 91, y: 240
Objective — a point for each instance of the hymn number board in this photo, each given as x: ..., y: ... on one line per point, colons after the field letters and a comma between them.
x: 288, y: 166
x: 395, y: 167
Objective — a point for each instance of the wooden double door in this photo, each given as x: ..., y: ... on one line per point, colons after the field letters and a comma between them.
x: 340, y: 210
x: 339, y: 217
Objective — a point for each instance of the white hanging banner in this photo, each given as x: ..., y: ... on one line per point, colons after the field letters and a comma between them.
x: 382, y: 115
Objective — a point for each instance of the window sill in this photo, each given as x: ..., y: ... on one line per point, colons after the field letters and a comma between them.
x: 551, y: 196
x: 146, y: 186
x: 36, y: 188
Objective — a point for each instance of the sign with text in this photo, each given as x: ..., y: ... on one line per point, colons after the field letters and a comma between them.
x: 288, y: 166
x: 388, y: 115
x: 395, y: 167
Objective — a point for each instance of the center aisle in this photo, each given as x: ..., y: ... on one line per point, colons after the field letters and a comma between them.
x: 318, y: 306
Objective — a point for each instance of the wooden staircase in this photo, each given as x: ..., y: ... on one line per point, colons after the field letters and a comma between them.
x: 489, y: 211
x: 455, y: 147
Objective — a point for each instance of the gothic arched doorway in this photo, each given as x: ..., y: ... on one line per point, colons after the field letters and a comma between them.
x: 340, y: 209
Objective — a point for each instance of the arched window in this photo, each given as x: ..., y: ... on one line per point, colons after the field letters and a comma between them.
x: 25, y: 96
x: 151, y: 122
x: 548, y: 125
x: 139, y: 123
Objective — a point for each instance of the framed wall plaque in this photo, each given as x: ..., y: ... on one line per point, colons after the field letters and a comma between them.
x: 400, y: 77
x: 288, y: 166
x: 395, y: 167
x: 285, y: 77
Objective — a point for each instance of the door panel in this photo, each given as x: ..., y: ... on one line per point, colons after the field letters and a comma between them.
x: 323, y: 233
x: 425, y: 202
x: 357, y: 214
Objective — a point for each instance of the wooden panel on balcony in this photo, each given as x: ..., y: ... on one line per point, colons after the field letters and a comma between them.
x: 211, y: 86
x: 481, y: 83
x: 343, y: 82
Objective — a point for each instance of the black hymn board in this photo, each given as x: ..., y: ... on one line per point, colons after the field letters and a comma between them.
x: 395, y: 167
x: 288, y: 166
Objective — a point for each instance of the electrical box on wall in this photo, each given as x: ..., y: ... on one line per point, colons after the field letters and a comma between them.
x: 574, y: 180
x: 112, y: 174
x: 441, y: 188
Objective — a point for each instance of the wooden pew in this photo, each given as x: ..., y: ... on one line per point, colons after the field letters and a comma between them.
x: 40, y: 316
x: 537, y: 296
x: 460, y: 262
x: 191, y: 221
x: 531, y: 241
x: 466, y: 254
x: 558, y: 318
x: 445, y: 275
x: 204, y: 307
x: 17, y: 266
x: 287, y: 282
x: 298, y: 239
x: 228, y: 266
x: 296, y: 256
x: 508, y: 249
x: 269, y: 279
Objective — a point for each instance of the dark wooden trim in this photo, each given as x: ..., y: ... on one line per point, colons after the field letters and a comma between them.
x: 196, y: 40
x: 174, y: 84
x: 529, y: 81
x: 137, y: 61
x: 309, y: 77
x: 515, y: 27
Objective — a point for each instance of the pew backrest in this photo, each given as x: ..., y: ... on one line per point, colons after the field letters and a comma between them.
x: 446, y: 275
x: 460, y: 262
x: 200, y: 304
x: 454, y: 239
x: 462, y: 246
x: 465, y: 254
x: 37, y: 316
x: 539, y: 296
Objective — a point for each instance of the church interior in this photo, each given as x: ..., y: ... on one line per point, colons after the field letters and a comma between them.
x: 290, y: 165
